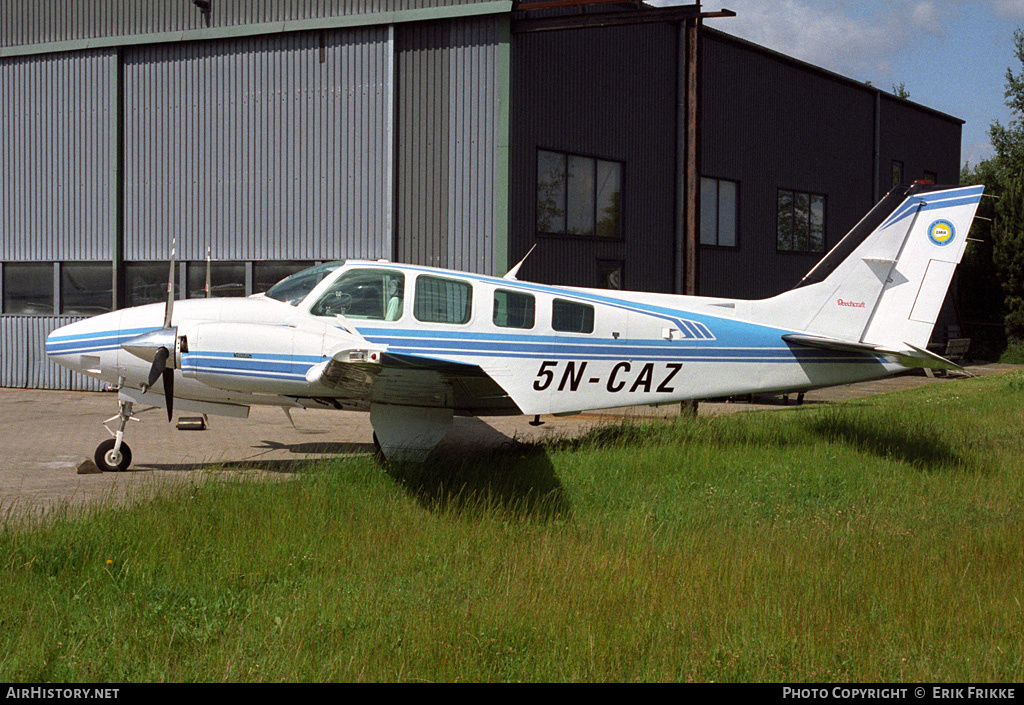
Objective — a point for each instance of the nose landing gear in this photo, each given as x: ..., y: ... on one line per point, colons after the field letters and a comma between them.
x: 113, y: 454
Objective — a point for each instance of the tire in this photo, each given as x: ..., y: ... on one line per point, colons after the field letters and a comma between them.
x: 106, y: 463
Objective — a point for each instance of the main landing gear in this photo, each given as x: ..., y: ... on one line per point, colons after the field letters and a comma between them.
x: 113, y: 454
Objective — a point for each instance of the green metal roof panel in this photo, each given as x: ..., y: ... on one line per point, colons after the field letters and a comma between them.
x: 69, y: 25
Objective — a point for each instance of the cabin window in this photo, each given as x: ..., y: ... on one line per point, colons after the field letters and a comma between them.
x: 571, y: 317
x: 364, y: 294
x: 801, y: 222
x: 440, y: 300
x: 513, y: 309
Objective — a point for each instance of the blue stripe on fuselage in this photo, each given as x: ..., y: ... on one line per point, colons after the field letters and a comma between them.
x: 91, y: 342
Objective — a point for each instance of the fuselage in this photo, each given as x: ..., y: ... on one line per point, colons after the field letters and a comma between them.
x: 551, y: 349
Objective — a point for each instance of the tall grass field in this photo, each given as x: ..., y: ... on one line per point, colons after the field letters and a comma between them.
x: 880, y: 540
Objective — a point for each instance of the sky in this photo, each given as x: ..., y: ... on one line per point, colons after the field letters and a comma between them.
x: 951, y: 55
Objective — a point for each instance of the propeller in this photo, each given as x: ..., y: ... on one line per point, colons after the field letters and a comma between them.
x: 159, y: 369
x: 158, y: 346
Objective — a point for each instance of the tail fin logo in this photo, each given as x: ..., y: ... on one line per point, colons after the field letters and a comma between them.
x: 941, y: 232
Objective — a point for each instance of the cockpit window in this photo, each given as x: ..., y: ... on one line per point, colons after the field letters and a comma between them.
x: 367, y: 294
x: 441, y: 300
x: 295, y: 288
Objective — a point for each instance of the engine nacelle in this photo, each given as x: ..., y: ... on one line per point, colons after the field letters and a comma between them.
x: 257, y: 357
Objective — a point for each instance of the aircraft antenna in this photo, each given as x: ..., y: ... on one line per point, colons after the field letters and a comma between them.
x: 511, y: 274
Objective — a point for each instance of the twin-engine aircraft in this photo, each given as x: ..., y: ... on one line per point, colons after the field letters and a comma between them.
x: 416, y: 345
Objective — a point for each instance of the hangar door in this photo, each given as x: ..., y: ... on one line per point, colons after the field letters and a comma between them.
x: 263, y: 148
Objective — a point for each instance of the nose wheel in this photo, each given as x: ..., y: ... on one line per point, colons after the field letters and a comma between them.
x: 113, y: 454
x: 110, y: 460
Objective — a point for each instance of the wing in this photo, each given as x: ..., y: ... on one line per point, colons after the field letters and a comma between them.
x: 413, y: 380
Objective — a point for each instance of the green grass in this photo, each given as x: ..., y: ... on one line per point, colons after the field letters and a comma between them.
x: 871, y: 541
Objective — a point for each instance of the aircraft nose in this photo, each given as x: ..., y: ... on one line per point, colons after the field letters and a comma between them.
x: 67, y: 344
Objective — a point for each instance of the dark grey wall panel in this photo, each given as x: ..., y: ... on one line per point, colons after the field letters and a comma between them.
x: 56, y: 197
x: 447, y: 120
x: 769, y: 123
x: 473, y: 107
x: 608, y: 93
x: 274, y: 147
x: 422, y: 87
x: 921, y: 139
x: 40, y: 21
x: 23, y: 361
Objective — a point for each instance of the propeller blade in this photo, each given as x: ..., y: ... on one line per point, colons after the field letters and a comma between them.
x: 169, y: 391
x: 208, y: 292
x: 159, y: 366
x: 170, y: 288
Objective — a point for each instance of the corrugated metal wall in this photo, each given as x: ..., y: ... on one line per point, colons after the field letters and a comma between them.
x: 56, y: 156
x: 23, y: 361
x: 447, y: 118
x: 608, y: 93
x: 272, y: 147
x: 39, y: 21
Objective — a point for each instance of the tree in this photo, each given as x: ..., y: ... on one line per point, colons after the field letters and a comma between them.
x: 1000, y: 249
x: 1008, y: 140
x: 900, y: 90
x: 1008, y: 253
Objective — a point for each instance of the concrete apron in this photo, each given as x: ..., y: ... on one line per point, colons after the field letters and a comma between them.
x: 45, y: 435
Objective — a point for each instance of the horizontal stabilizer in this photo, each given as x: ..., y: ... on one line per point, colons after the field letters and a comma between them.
x: 912, y: 357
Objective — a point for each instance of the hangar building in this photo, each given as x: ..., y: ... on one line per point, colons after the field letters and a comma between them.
x: 634, y: 146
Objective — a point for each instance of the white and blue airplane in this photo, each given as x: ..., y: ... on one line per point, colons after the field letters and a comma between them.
x: 416, y: 345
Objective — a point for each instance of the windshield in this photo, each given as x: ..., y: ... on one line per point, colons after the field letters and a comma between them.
x: 294, y: 289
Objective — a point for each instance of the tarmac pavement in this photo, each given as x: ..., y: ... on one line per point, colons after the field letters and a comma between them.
x: 44, y: 435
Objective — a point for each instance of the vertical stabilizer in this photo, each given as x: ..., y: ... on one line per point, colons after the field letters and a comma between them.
x: 916, y: 286
x: 887, y: 282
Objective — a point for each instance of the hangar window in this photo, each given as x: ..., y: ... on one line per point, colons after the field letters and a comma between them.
x: 145, y: 283
x: 719, y: 205
x: 367, y: 294
x: 28, y: 289
x: 440, y: 300
x: 897, y: 172
x: 86, y: 289
x: 801, y: 222
x: 513, y: 309
x: 610, y: 273
x: 226, y: 279
x: 571, y: 317
x: 578, y: 195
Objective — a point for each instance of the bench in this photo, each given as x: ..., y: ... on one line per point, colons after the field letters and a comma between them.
x: 955, y: 351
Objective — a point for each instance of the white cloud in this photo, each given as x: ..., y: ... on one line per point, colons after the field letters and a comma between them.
x: 1010, y: 9
x: 856, y: 39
